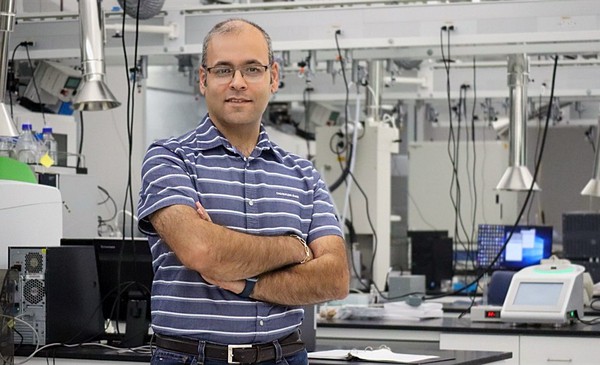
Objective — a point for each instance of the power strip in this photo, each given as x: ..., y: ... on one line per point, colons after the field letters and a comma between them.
x: 486, y: 313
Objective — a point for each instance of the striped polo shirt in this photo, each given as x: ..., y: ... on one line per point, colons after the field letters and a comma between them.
x: 271, y: 192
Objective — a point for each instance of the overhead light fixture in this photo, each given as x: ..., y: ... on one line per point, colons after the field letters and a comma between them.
x: 94, y: 95
x: 592, y: 188
x: 517, y: 176
x: 7, y: 23
x: 144, y: 10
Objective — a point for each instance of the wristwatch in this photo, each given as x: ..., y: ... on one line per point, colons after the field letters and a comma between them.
x: 248, y: 288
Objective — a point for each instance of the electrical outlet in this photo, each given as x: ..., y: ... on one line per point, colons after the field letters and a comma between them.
x: 448, y: 26
x: 335, y: 29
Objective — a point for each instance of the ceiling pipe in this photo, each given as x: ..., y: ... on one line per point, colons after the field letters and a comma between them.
x: 94, y: 95
x: 517, y: 176
x: 375, y: 89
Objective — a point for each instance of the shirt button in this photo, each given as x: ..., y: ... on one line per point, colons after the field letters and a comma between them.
x: 250, y: 202
x: 261, y: 322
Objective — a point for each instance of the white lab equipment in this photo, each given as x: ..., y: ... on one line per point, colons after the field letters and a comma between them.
x: 545, y: 294
x: 30, y: 215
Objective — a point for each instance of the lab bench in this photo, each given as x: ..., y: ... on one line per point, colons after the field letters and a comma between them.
x: 575, y: 344
x: 95, y: 356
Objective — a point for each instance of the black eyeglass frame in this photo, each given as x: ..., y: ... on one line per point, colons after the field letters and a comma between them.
x: 209, y: 69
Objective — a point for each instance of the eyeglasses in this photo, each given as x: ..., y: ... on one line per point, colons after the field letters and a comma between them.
x: 250, y: 73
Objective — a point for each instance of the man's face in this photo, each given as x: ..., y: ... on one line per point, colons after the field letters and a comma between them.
x: 238, y: 101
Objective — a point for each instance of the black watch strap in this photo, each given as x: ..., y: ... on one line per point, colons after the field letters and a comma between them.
x: 249, y: 287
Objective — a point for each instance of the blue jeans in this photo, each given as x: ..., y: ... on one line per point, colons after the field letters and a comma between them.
x: 167, y: 357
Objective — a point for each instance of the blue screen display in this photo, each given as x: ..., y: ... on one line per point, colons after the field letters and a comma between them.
x: 527, y: 246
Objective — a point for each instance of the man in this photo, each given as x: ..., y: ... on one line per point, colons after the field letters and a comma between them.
x: 241, y: 232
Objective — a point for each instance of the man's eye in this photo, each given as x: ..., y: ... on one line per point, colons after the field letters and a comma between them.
x: 253, y: 70
x: 222, y: 71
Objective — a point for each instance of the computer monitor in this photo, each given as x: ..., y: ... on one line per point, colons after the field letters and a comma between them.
x: 123, y: 266
x: 528, y: 245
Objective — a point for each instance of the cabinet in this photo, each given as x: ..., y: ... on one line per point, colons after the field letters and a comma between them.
x: 559, y: 350
x: 528, y: 350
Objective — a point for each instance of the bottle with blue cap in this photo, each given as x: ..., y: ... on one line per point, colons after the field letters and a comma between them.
x: 49, y: 144
x: 26, y: 148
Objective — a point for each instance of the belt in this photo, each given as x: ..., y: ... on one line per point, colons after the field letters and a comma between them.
x: 233, y: 354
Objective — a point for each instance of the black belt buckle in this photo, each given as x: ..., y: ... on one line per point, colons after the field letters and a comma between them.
x: 230, y: 349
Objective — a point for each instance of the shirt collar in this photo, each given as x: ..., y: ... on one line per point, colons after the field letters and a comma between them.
x: 209, y: 137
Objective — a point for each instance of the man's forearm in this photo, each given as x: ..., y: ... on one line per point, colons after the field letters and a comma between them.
x: 322, y: 279
x: 222, y: 253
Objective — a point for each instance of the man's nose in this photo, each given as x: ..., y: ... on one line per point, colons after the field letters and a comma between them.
x: 238, y: 81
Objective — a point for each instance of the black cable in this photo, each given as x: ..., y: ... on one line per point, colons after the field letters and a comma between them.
x: 345, y: 171
x: 470, y: 138
x: 451, y: 140
x: 80, y: 149
x: 588, y: 135
x: 128, y: 122
x: 375, y: 240
x: 136, y: 73
x: 114, y: 204
x: 590, y: 322
x: 37, y: 91
x: 352, y: 239
x: 453, y: 145
x: 475, y: 197
x: 537, y: 141
x: 12, y: 63
x: 306, y: 103
x: 594, y: 301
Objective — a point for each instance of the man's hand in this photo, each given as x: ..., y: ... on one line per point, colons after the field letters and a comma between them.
x: 202, y: 212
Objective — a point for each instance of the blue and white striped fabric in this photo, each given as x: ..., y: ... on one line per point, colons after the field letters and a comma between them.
x: 271, y: 192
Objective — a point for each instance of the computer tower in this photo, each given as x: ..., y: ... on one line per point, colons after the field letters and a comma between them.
x: 432, y: 256
x: 581, y: 235
x: 57, y: 294
x: 581, y: 240
x: 7, y: 293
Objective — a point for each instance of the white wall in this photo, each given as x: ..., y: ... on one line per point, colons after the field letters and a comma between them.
x: 105, y: 143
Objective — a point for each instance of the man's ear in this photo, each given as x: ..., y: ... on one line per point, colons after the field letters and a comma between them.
x: 202, y: 80
x: 274, y: 77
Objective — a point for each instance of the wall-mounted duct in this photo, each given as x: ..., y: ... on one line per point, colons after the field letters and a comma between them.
x: 148, y: 8
x: 7, y: 23
x: 517, y: 176
x: 94, y: 94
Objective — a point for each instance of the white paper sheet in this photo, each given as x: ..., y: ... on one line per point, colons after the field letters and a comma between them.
x: 380, y: 355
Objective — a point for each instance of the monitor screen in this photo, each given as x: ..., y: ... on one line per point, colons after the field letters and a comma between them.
x: 527, y: 246
x: 134, y: 279
x: 538, y: 294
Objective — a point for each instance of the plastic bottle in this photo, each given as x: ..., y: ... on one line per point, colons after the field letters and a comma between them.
x: 49, y: 143
x: 26, y: 149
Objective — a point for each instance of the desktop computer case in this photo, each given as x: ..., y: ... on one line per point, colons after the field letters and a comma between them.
x: 57, y: 294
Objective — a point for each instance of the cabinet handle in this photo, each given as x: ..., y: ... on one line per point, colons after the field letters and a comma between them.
x: 559, y: 360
